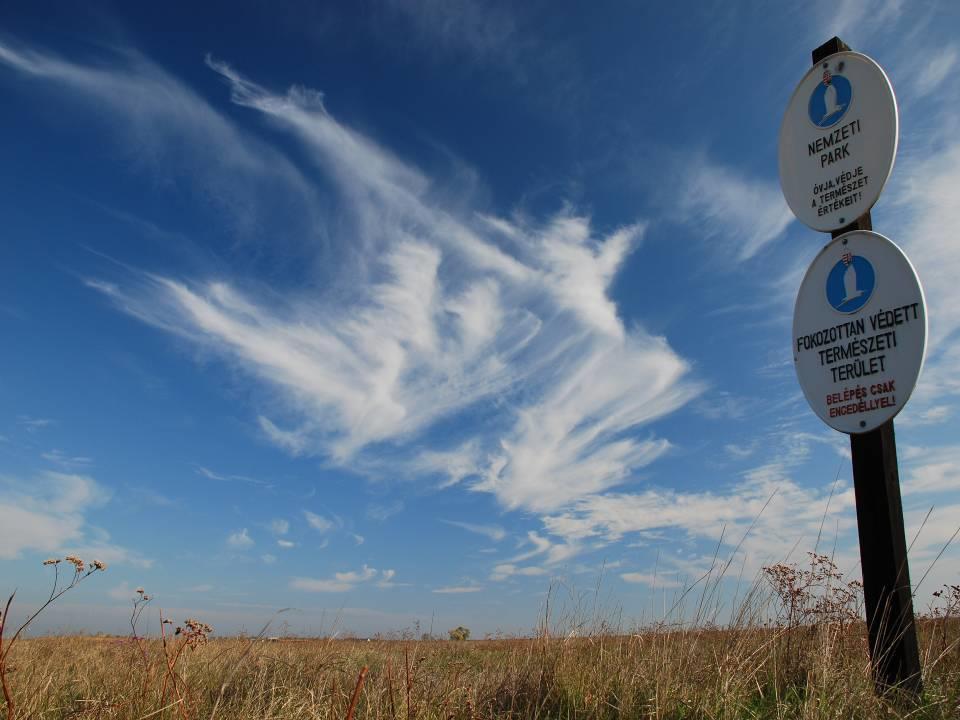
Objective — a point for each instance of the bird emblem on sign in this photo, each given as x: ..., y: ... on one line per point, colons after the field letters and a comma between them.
x: 830, y: 102
x: 850, y: 283
x: 830, y: 98
x: 850, y: 289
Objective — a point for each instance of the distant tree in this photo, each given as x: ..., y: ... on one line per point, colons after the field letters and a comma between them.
x: 460, y: 633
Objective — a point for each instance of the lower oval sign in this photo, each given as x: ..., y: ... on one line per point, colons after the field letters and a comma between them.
x: 859, y: 332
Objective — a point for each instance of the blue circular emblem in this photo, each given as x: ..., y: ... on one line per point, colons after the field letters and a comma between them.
x: 850, y: 283
x: 830, y: 100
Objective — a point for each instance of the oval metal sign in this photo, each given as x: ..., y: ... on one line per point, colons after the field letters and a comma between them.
x: 838, y: 141
x: 859, y: 332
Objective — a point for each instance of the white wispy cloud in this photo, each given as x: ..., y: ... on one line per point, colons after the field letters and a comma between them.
x: 32, y: 424
x: 158, y: 114
x: 768, y: 508
x: 923, y: 196
x: 48, y: 514
x: 935, y: 70
x: 650, y: 579
x: 863, y: 17
x: 286, y: 544
x: 318, y: 522
x: 150, y: 496
x: 934, y: 554
x: 494, y: 532
x: 766, y: 514
x: 551, y: 552
x: 454, y: 465
x: 123, y: 591
x: 386, y: 579
x: 342, y: 581
x: 279, y: 526
x: 380, y: 373
x: 739, y: 452
x: 932, y: 415
x: 930, y: 470
x: 60, y: 458
x: 478, y: 31
x: 740, y: 213
x: 928, y: 189
x: 721, y: 405
x: 383, y: 511
x: 211, y: 475
x: 457, y: 589
x: 296, y: 442
x: 240, y: 540
x: 504, y: 571
x: 572, y: 443
x: 453, y: 309
x: 97, y: 545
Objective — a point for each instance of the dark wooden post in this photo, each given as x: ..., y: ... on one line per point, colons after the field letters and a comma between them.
x: 887, y: 594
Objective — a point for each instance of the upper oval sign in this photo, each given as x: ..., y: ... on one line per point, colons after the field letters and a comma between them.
x: 838, y: 141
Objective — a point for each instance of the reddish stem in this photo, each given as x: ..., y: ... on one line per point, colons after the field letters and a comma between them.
x: 356, y: 693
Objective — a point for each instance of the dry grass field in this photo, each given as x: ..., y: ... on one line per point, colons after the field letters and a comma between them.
x: 808, y: 661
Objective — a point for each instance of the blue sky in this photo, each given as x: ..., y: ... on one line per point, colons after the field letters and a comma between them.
x: 409, y: 311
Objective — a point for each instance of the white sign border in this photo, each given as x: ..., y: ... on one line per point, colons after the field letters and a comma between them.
x: 896, y: 132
